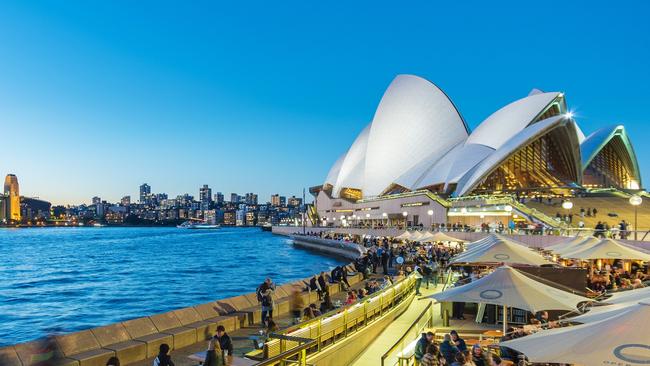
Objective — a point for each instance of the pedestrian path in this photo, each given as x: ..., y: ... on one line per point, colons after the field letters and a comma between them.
x: 372, y: 355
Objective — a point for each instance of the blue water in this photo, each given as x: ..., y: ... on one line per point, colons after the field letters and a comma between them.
x: 68, y: 279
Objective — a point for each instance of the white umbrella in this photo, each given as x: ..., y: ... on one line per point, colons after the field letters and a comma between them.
x: 576, y: 246
x: 567, y: 243
x: 640, y: 294
x: 608, y: 249
x: 404, y: 236
x: 499, y: 249
x: 416, y: 235
x: 429, y: 237
x: 508, y: 287
x: 622, y: 339
x: 598, y: 313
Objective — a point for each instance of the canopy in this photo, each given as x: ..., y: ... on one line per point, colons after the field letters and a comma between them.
x: 404, y: 236
x: 568, y: 242
x: 608, y: 249
x: 498, y: 249
x: 576, y: 246
x: 640, y: 294
x: 622, y: 339
x: 598, y: 313
x: 429, y: 237
x: 508, y: 287
x: 416, y: 235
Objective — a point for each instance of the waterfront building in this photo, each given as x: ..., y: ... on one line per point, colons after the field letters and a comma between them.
x: 96, y: 200
x: 145, y: 192
x: 275, y: 200
x: 229, y: 218
x: 12, y: 199
x: 125, y: 201
x: 417, y: 159
x: 205, y: 197
x: 294, y: 201
x: 218, y: 198
x: 35, y: 209
x: 234, y: 198
x: 251, y: 199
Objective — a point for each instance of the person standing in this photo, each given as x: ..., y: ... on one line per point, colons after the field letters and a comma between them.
x: 297, y: 304
x: 225, y: 344
x: 265, y: 297
x: 214, y: 354
x: 418, y: 279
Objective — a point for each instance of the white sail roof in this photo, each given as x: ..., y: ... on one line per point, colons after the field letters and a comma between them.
x: 414, y: 119
x: 640, y: 294
x: 351, y: 173
x: 333, y: 174
x: 609, y: 249
x: 503, y: 124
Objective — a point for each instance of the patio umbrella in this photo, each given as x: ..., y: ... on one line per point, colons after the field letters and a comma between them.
x: 429, y: 237
x: 425, y: 235
x: 608, y: 249
x: 416, y: 235
x: 576, y: 246
x: 622, y: 339
x: 404, y: 236
x: 508, y: 287
x: 567, y: 243
x: 598, y: 313
x: 499, y: 249
x: 640, y: 294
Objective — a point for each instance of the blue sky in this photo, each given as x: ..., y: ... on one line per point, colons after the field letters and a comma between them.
x: 99, y: 97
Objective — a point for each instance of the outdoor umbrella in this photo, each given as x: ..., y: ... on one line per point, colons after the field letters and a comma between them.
x: 567, y: 243
x: 429, y: 237
x: 608, y: 249
x: 640, y: 294
x: 404, y: 236
x: 508, y: 287
x: 598, y: 313
x: 499, y: 249
x: 576, y: 246
x: 623, y: 339
x: 416, y: 235
x: 425, y: 235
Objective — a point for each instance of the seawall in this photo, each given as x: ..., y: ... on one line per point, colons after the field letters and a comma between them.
x: 349, y: 251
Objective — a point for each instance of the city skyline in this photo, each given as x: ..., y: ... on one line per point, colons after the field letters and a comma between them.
x: 264, y: 100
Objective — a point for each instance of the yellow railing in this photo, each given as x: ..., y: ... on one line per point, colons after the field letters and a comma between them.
x: 338, y: 324
x: 401, y: 351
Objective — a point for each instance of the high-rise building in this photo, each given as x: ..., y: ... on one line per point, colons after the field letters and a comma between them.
x: 283, y: 201
x: 145, y: 192
x: 234, y: 198
x: 218, y: 198
x: 205, y: 197
x: 275, y: 200
x: 294, y: 201
x: 12, y: 199
x: 96, y: 200
x: 251, y: 199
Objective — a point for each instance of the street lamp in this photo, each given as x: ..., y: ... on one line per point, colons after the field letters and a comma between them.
x: 405, y: 214
x: 635, y: 201
x: 385, y: 216
x: 430, y: 213
x: 567, y: 205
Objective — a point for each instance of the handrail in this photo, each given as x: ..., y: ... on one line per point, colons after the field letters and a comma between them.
x: 351, y: 318
x: 427, y: 310
x: 300, y: 351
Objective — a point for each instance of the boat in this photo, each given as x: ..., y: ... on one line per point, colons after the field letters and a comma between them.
x: 197, y: 225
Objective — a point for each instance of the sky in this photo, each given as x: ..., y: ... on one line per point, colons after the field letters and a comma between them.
x: 98, y: 97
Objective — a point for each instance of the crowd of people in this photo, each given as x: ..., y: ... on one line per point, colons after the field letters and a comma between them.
x: 452, y: 351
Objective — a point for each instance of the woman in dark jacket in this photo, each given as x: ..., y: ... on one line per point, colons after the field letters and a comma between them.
x: 214, y: 354
x: 163, y: 358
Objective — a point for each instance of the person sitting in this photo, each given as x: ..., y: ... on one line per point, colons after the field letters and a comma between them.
x: 163, y: 358
x: 495, y: 360
x: 326, y: 306
x: 315, y: 310
x: 421, y: 347
x: 352, y: 298
x: 448, y: 349
x: 459, y: 359
x: 478, y: 356
x: 458, y: 341
x: 430, y: 358
x: 113, y: 361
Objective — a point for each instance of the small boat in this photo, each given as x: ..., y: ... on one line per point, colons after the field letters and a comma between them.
x: 197, y: 225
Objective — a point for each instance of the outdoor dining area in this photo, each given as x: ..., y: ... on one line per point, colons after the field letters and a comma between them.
x: 565, y: 324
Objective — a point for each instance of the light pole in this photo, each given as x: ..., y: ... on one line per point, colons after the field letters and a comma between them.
x: 567, y: 205
x: 430, y: 213
x: 385, y: 215
x: 635, y: 201
x: 405, y: 214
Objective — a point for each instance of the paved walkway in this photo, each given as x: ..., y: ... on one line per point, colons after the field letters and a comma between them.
x: 392, y: 333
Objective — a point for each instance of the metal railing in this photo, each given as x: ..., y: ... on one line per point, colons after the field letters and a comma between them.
x: 336, y: 325
x: 423, y: 321
x: 294, y: 356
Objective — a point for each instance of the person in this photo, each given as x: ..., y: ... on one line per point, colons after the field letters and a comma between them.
x: 297, y: 304
x: 478, y: 356
x: 385, y: 256
x: 430, y: 358
x: 113, y: 361
x: 458, y: 341
x: 448, y: 349
x: 315, y: 310
x: 426, y: 271
x: 225, y: 343
x: 326, y: 305
x: 308, y: 313
x: 163, y: 358
x: 459, y: 359
x: 361, y: 293
x: 265, y: 297
x: 313, y: 286
x: 421, y: 347
x: 352, y: 298
x: 322, y: 283
x: 214, y: 354
x: 418, y: 279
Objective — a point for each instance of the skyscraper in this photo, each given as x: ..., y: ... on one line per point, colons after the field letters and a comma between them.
x: 234, y: 198
x: 145, y: 191
x: 218, y: 198
x: 12, y: 200
x: 275, y: 200
x: 205, y: 197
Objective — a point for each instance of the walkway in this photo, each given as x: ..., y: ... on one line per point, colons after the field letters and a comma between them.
x: 392, y: 333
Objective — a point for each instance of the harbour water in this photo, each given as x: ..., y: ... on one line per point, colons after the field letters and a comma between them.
x: 56, y: 280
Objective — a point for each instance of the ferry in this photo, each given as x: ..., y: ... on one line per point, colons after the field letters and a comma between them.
x: 197, y: 225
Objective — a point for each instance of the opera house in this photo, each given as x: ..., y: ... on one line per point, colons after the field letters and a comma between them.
x: 419, y: 162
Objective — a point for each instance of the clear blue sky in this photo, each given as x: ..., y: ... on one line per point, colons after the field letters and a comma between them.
x: 99, y: 97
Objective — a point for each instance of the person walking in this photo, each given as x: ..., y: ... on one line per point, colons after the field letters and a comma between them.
x: 418, y: 279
